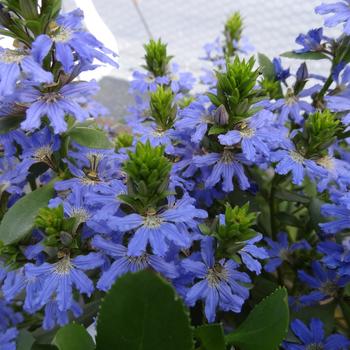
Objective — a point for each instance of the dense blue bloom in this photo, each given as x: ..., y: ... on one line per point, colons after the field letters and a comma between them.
x: 225, y: 166
x: 70, y: 37
x: 8, y: 339
x: 310, y: 41
x: 55, y: 105
x: 219, y: 282
x: 313, y: 337
x: 340, y: 14
x: 281, y: 250
x: 324, y: 283
x: 12, y: 63
x: 158, y: 229
x: 58, y: 278
x: 124, y: 263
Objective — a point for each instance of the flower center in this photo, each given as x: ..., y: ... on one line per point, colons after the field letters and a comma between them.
x: 326, y: 162
x: 247, y: 132
x: 12, y: 56
x: 63, y: 266
x: 63, y: 35
x: 44, y: 154
x: 140, y: 261
x: 297, y: 157
x: 314, y: 346
x: 81, y: 214
x: 51, y: 97
x: 92, y: 171
x: 227, y: 156
x: 290, y: 98
x: 152, y: 221
x: 216, y: 275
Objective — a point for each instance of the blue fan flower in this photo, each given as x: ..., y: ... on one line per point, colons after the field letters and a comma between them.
x: 124, y: 263
x: 219, y: 282
x: 146, y: 82
x: 313, y: 337
x: 8, y: 339
x: 310, y: 41
x: 340, y: 212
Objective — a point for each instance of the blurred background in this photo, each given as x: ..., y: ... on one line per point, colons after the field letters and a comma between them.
x: 186, y: 25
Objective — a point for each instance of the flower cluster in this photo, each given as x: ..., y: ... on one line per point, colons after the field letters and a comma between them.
x: 227, y: 193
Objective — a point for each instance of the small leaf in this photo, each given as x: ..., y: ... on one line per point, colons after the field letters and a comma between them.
x: 215, y: 130
x: 266, y: 326
x: 291, y: 196
x: 142, y: 311
x: 24, y: 340
x: 10, y: 122
x: 18, y: 221
x: 266, y: 66
x: 73, y: 337
x: 89, y: 137
x: 211, y: 337
x: 305, y: 55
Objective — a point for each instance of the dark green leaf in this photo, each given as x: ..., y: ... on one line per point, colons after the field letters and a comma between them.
x: 211, y: 337
x: 305, y: 55
x: 73, y: 337
x: 24, y: 340
x: 9, y: 123
x: 19, y: 219
x: 266, y: 326
x: 142, y: 311
x: 291, y: 196
x: 90, y: 137
x: 266, y: 66
x: 38, y: 346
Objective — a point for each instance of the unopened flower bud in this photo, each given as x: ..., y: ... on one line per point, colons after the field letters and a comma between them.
x: 221, y: 116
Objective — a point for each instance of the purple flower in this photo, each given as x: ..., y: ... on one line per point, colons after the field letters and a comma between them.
x: 310, y: 41
x: 8, y: 339
x: 59, y: 278
x: 180, y: 81
x: 280, y: 250
x: 12, y: 63
x: 124, y: 263
x: 340, y: 14
x: 223, y: 166
x: 69, y: 38
x: 160, y: 228
x: 219, y: 282
x: 313, y: 337
x: 280, y: 73
x: 341, y: 214
x: 146, y: 82
x: 55, y: 105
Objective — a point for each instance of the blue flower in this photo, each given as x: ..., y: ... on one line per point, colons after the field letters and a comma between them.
x: 180, y: 81
x: 12, y: 63
x: 280, y: 250
x: 223, y: 166
x: 146, y: 82
x: 219, y: 282
x: 59, y: 278
x: 313, y: 337
x: 124, y: 263
x: 280, y: 73
x: 9, y: 317
x: 310, y: 41
x: 55, y: 105
x: 160, y: 228
x: 12, y: 176
x: 336, y: 256
x: 340, y: 14
x: 69, y: 38
x: 324, y: 283
x: 340, y: 212
x: 8, y: 339
x: 250, y: 254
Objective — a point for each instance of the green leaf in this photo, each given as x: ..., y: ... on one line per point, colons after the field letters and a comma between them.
x: 291, y: 196
x: 266, y: 66
x: 211, y: 337
x: 9, y: 123
x: 215, y: 130
x: 90, y: 137
x: 142, y: 311
x: 24, y: 340
x: 73, y: 337
x: 19, y: 219
x: 305, y: 55
x: 266, y: 326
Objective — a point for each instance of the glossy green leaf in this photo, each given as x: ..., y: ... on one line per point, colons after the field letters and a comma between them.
x: 18, y: 221
x: 266, y: 67
x: 90, y: 137
x: 73, y: 337
x: 211, y: 337
x: 305, y: 55
x: 9, y: 123
x: 266, y: 326
x: 142, y: 311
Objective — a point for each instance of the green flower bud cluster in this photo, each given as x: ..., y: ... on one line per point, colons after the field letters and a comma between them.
x: 163, y: 109
x: 233, y: 32
x: 236, y: 90
x: 156, y: 58
x: 148, y: 178
x: 123, y: 140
